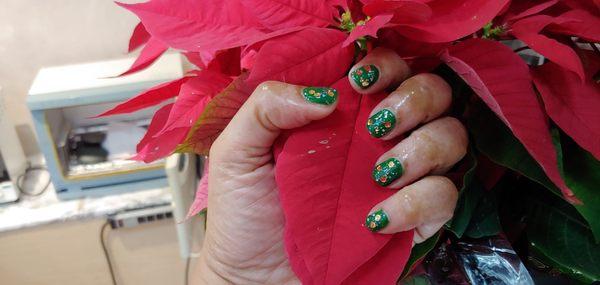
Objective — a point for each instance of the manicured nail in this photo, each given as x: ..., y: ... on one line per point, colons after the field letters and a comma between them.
x: 377, y: 220
x: 386, y: 172
x: 381, y: 123
x: 320, y: 95
x: 365, y: 76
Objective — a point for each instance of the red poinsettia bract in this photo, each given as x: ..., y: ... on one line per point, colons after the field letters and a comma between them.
x: 236, y: 44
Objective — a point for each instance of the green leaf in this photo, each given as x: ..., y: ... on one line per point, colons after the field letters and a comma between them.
x: 467, y: 200
x: 485, y: 221
x: 559, y: 237
x: 581, y: 171
x: 476, y: 212
x: 418, y: 252
x: 495, y: 140
x: 582, y: 174
x: 416, y: 280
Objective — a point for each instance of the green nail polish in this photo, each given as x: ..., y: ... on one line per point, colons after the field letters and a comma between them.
x: 320, y: 95
x: 381, y: 123
x: 386, y: 172
x: 365, y: 76
x: 377, y: 220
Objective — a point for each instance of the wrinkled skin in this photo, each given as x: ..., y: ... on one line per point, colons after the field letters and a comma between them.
x: 244, y: 236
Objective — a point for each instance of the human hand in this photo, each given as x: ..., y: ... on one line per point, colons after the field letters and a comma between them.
x: 244, y: 236
x: 244, y: 232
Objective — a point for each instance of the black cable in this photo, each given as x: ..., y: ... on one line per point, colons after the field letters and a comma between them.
x: 186, y: 279
x: 20, y: 180
x: 106, y: 254
x: 200, y: 164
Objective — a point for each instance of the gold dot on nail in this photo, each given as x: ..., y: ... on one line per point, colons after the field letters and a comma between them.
x: 330, y: 93
x: 369, y: 122
x: 372, y: 225
x: 391, y: 164
x: 377, y: 218
x: 364, y: 83
x: 311, y: 92
x: 378, y: 168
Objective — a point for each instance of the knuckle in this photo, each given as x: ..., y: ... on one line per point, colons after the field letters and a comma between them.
x: 429, y: 85
x: 260, y: 95
x: 446, y: 185
x: 456, y: 125
x: 435, y: 82
x: 265, y: 85
x: 444, y: 196
x: 449, y: 194
x: 383, y: 52
x: 428, y: 149
x: 440, y: 143
x: 461, y: 137
x: 455, y: 133
x: 417, y: 102
x: 426, y: 79
x: 265, y: 92
x: 412, y: 211
x: 426, y: 95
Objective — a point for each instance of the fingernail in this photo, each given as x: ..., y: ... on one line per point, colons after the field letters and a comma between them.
x: 386, y: 172
x: 365, y: 76
x: 377, y: 220
x: 381, y: 123
x: 320, y: 95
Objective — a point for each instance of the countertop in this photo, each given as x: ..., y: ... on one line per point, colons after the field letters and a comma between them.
x: 47, y: 208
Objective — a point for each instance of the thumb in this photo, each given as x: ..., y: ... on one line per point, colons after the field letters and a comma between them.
x: 272, y: 107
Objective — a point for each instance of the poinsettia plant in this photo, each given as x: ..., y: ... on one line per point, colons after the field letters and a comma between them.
x: 537, y: 121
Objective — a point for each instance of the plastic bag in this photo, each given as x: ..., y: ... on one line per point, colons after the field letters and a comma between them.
x: 489, y: 261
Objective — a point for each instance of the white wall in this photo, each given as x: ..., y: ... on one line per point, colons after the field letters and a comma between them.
x: 37, y: 33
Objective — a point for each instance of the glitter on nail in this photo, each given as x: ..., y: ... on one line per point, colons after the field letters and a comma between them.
x: 365, y: 76
x: 320, y: 95
x: 377, y: 220
x: 381, y: 123
x: 387, y: 171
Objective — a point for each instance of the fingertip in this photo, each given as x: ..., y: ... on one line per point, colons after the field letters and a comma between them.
x: 399, y: 212
x: 377, y: 220
x: 320, y: 102
x: 290, y: 106
x: 272, y: 107
x: 377, y: 71
x: 364, y: 76
x: 325, y: 96
x: 444, y: 190
x: 427, y: 204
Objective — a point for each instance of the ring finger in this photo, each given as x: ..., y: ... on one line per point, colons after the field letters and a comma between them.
x: 432, y: 149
